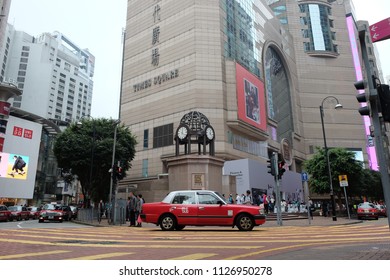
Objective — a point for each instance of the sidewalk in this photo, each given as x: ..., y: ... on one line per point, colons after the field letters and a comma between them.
x: 316, y: 221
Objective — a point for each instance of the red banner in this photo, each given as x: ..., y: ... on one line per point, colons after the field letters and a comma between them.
x: 4, y: 108
x: 380, y: 30
x: 1, y: 144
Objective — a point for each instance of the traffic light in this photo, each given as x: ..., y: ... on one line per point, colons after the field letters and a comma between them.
x: 281, y: 169
x: 120, y: 173
x: 271, y: 166
x: 384, y: 100
x: 361, y: 97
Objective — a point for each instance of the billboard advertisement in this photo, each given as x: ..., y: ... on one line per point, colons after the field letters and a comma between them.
x: 250, y: 98
x: 253, y: 175
x: 19, y: 159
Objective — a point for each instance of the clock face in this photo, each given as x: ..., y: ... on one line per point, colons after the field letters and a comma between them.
x: 210, y: 133
x: 182, y: 132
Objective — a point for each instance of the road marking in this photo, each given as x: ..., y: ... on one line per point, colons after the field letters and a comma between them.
x: 16, y: 256
x: 101, y: 256
x: 198, y: 256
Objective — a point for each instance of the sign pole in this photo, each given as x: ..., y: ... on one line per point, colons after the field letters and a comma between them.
x: 346, y: 201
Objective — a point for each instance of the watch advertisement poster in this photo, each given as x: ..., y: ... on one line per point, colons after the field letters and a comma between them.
x: 250, y: 98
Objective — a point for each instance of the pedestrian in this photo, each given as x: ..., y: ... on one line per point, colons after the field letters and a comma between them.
x: 101, y: 208
x: 131, y: 205
x: 238, y: 199
x: 265, y: 202
x: 325, y: 208
x: 248, y: 198
x: 311, y: 208
x: 140, y: 202
x: 230, y: 199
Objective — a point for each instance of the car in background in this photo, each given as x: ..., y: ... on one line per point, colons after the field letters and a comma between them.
x: 382, y: 210
x: 5, y: 214
x: 34, y: 212
x: 75, y: 211
x: 367, y: 210
x: 51, y: 212
x: 200, y: 208
x: 19, y: 213
x: 67, y: 212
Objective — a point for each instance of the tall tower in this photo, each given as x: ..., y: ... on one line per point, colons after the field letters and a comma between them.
x: 53, y: 73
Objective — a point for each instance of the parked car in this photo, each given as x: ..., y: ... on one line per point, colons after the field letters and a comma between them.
x: 75, y: 211
x: 5, y: 214
x: 367, y: 210
x: 200, y: 208
x: 382, y: 210
x: 34, y: 212
x: 19, y: 213
x: 51, y: 212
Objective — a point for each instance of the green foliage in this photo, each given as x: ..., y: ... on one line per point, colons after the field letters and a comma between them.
x: 342, y: 162
x: 86, y: 148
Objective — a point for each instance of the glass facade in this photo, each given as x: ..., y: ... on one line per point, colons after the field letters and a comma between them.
x: 316, y: 26
x: 278, y: 94
x: 240, y: 34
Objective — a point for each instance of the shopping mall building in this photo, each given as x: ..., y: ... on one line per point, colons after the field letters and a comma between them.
x: 245, y: 78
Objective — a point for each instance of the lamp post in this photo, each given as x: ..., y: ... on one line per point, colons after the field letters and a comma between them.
x: 115, y: 123
x: 338, y: 106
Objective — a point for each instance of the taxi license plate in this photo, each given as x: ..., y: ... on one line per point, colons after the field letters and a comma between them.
x: 51, y: 217
x: 1, y: 214
x: 366, y: 211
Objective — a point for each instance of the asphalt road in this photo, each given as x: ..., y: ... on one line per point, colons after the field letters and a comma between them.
x: 69, y: 241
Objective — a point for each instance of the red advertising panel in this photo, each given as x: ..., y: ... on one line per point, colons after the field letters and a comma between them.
x: 4, y: 108
x: 250, y: 98
x: 380, y: 30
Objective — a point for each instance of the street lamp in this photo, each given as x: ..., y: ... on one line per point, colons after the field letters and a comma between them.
x: 338, y: 106
x: 115, y: 123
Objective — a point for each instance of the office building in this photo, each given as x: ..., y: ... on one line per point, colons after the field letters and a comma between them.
x: 54, y: 74
x: 257, y: 70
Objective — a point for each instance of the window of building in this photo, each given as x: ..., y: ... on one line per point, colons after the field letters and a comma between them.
x: 24, y: 53
x: 163, y: 136
x: 319, y: 27
x: 146, y: 138
x: 145, y: 163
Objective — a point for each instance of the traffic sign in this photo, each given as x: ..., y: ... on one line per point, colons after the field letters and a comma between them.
x: 343, y: 179
x: 380, y: 30
x: 304, y: 177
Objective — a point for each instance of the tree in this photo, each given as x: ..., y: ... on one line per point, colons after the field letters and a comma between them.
x: 342, y: 162
x: 86, y: 148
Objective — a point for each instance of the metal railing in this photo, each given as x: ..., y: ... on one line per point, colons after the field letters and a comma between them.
x: 91, y: 215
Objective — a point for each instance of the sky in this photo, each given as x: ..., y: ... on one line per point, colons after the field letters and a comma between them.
x: 97, y: 25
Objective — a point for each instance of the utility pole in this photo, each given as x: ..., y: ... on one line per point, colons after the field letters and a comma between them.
x: 379, y: 141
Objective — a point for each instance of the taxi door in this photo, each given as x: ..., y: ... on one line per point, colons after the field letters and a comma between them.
x: 184, y: 208
x: 213, y: 211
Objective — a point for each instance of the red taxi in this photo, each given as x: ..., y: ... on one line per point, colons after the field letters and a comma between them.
x: 19, y: 213
x: 5, y: 214
x: 382, y: 210
x: 34, y: 212
x: 367, y: 210
x: 51, y: 212
x: 200, y: 208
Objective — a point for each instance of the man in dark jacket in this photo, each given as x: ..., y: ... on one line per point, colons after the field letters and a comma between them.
x: 132, y: 207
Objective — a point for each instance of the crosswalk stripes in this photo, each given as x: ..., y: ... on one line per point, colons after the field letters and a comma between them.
x: 190, y: 244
